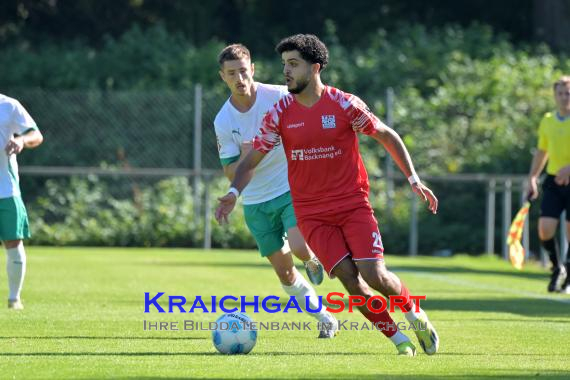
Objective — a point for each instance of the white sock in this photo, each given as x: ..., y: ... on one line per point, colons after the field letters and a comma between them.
x: 412, y: 315
x: 299, y: 290
x: 398, y: 338
x: 16, y: 268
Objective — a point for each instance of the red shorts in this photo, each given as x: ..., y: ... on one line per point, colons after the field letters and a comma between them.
x: 335, y: 236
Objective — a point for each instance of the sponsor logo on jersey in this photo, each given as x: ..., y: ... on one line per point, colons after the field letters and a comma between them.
x: 328, y: 121
x: 297, y: 154
x: 315, y: 153
x: 296, y: 125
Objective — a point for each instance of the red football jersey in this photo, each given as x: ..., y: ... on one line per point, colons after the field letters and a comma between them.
x: 326, y: 171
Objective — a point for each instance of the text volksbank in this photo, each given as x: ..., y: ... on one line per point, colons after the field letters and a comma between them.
x: 273, y: 304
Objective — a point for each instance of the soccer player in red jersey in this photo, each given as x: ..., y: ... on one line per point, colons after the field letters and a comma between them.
x: 318, y: 125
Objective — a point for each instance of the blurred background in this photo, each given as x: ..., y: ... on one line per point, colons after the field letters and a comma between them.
x: 125, y: 92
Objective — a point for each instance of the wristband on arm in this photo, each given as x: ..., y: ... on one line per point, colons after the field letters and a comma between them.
x: 414, y: 178
x: 234, y: 191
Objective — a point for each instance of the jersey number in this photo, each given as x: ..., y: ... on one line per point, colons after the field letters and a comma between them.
x: 377, y: 240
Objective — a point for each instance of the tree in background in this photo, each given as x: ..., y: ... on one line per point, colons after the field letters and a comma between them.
x: 200, y: 21
x: 551, y: 22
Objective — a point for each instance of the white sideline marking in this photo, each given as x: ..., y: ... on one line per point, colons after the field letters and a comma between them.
x: 446, y: 279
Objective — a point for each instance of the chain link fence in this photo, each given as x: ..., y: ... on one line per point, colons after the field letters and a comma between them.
x: 123, y: 155
x: 150, y: 129
x: 150, y: 159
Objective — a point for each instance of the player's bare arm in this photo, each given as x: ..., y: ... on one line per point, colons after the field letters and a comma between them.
x: 243, y: 174
x: 395, y: 146
x: 230, y: 170
x: 31, y: 139
x: 538, y: 164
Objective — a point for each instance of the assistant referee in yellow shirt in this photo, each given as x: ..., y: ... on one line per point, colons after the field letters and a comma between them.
x: 554, y: 147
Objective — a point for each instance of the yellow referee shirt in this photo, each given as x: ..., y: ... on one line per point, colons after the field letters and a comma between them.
x: 554, y: 139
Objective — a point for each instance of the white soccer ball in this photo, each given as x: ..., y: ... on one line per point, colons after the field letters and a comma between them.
x: 234, y: 334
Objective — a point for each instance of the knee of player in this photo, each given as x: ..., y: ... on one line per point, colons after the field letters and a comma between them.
x: 8, y: 244
x: 301, y: 252
x: 286, y: 276
x: 546, y: 234
x: 377, y: 279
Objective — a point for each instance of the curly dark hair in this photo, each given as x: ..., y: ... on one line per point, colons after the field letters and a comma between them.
x: 308, y: 45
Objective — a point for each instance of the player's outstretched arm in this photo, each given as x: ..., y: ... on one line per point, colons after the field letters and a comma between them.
x: 395, y: 146
x: 243, y: 174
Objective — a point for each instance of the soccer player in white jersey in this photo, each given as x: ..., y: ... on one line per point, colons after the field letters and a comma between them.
x: 17, y: 131
x: 268, y: 208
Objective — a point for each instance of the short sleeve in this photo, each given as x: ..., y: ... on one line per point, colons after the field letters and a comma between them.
x: 361, y: 118
x: 22, y: 122
x: 269, y: 135
x: 228, y: 149
x: 283, y: 91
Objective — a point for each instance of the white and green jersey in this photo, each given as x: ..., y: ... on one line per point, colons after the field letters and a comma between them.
x: 14, y: 119
x: 234, y: 127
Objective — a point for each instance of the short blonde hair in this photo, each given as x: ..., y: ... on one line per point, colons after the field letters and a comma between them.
x: 563, y: 81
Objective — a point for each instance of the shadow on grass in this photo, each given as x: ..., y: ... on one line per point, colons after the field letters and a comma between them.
x: 501, y: 374
x: 396, y: 268
x: 251, y: 355
x: 193, y: 264
x: 443, y: 269
x: 464, y: 270
x: 104, y: 337
x: 508, y: 320
x: 264, y: 354
x: 530, y: 307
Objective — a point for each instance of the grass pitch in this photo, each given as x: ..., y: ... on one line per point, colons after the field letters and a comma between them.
x: 84, y: 319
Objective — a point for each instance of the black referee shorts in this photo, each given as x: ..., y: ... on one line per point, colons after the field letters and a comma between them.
x: 555, y: 199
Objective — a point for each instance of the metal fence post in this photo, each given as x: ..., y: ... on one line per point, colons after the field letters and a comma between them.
x: 490, y: 245
x: 197, y: 147
x: 207, y: 214
x: 389, y: 163
x: 507, y: 199
x: 413, y: 242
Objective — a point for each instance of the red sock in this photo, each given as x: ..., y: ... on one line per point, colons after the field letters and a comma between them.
x: 382, y: 321
x: 409, y: 305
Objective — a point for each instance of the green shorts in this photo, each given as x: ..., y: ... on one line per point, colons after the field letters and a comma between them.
x: 13, y: 219
x: 269, y: 221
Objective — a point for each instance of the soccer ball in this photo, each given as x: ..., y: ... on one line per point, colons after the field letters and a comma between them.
x: 234, y: 334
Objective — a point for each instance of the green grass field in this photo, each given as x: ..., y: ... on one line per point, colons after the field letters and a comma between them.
x: 84, y: 319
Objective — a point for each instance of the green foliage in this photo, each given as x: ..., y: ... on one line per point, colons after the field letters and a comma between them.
x: 235, y: 234
x: 146, y: 59
x: 98, y: 212
x: 164, y: 60
x: 482, y: 116
x: 466, y: 100
x: 198, y: 21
